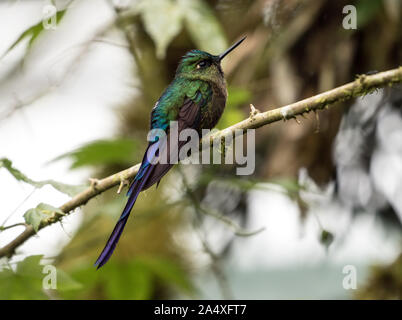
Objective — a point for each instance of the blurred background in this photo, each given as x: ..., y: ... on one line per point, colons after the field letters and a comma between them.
x: 326, y: 196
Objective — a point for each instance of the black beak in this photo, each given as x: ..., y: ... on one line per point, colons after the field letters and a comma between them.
x: 221, y: 56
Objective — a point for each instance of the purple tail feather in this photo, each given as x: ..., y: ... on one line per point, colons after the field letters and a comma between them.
x: 135, y: 189
x: 111, y: 243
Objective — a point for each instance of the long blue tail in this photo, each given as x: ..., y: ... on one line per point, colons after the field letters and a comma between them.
x: 133, y: 193
x: 147, y: 175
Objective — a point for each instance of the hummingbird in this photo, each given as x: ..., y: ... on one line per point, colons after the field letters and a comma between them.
x: 195, y: 99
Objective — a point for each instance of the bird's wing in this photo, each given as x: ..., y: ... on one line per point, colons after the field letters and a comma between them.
x: 188, y: 117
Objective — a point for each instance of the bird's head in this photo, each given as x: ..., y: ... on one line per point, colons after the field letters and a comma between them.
x: 197, y: 64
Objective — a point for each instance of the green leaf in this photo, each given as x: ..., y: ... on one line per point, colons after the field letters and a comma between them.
x: 203, y: 26
x: 66, y: 283
x: 25, y: 282
x: 68, y: 189
x: 33, y: 32
x: 7, y: 286
x: 41, y: 214
x: 102, y: 152
x: 8, y: 165
x: 30, y: 267
x: 162, y: 20
x: 86, y: 279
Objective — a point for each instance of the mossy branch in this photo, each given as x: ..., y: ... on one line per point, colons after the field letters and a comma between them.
x: 363, y: 84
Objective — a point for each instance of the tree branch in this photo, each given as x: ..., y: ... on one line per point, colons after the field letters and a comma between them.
x: 363, y: 84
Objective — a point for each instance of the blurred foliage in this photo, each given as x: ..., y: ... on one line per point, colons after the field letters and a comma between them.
x: 43, y: 212
x: 102, y: 152
x: 164, y: 19
x: 367, y: 10
x: 33, y: 32
x: 25, y: 281
x: 133, y: 279
x: 68, y: 189
x: 384, y: 282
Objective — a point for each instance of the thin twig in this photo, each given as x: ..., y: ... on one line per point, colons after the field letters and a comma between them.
x: 238, y: 231
x: 13, y: 226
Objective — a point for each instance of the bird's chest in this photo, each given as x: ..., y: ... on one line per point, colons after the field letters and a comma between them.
x: 213, y: 110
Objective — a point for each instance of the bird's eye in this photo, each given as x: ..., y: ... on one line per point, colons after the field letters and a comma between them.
x: 203, y: 64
